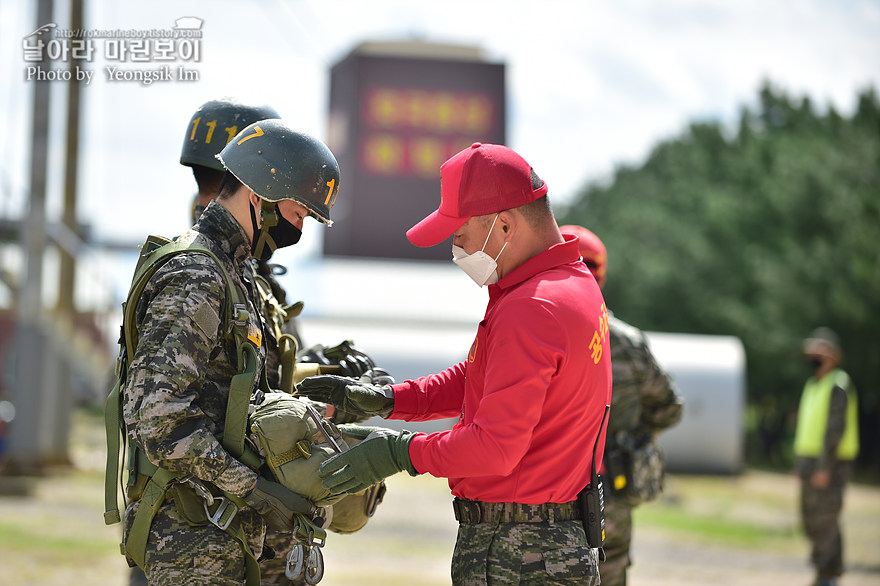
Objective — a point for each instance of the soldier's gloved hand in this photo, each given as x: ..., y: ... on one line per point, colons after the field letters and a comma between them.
x: 359, y: 431
x: 339, y: 417
x: 349, y: 395
x: 382, y: 453
x: 353, y: 361
x: 277, y: 504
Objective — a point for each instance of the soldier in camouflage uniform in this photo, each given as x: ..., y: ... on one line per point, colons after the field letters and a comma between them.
x: 176, y: 393
x: 209, y: 129
x: 825, y: 445
x: 643, y: 403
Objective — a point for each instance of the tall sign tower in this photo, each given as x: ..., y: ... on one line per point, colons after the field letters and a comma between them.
x: 397, y: 112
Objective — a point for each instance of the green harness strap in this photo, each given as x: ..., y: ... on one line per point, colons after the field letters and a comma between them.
x: 156, y: 251
x: 112, y: 425
x: 151, y: 500
x: 240, y: 390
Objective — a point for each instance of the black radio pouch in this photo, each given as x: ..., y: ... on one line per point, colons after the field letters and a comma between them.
x: 591, y: 501
x: 618, y: 468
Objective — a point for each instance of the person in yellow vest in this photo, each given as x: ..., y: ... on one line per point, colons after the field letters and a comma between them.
x: 825, y: 445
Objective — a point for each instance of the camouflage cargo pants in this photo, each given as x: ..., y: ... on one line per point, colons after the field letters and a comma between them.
x: 180, y: 553
x: 528, y: 554
x: 820, y: 512
x: 618, y: 535
x: 272, y: 570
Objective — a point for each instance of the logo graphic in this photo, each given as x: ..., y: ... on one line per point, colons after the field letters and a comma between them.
x: 472, y: 354
x: 42, y: 29
x: 58, y: 54
x: 190, y: 22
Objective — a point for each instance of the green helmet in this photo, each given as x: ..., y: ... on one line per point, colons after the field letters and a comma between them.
x: 213, y: 125
x: 277, y: 162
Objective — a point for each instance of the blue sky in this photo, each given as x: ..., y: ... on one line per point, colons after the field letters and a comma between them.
x: 590, y: 84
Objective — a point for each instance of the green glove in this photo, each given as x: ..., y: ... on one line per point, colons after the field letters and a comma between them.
x: 358, y: 431
x: 349, y: 395
x: 277, y: 504
x: 384, y: 452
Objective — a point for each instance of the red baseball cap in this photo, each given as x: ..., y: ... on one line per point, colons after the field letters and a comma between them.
x: 482, y: 179
x: 592, y: 250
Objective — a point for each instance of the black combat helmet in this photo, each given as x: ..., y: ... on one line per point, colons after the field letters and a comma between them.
x: 277, y: 162
x: 213, y: 125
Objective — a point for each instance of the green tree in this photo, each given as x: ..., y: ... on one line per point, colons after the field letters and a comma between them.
x: 763, y: 232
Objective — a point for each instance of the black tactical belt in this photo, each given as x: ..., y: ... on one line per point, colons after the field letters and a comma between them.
x: 474, y: 512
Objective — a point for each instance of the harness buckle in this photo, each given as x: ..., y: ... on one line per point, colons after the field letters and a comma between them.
x: 240, y: 314
x: 200, y: 489
x: 220, y: 518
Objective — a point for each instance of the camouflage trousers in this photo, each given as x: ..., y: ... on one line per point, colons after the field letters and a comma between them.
x: 820, y: 512
x: 272, y: 570
x: 528, y: 554
x: 179, y: 553
x: 618, y: 535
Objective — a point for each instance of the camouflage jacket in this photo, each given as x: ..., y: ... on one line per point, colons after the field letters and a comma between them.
x: 643, y: 397
x: 273, y: 299
x: 178, y: 383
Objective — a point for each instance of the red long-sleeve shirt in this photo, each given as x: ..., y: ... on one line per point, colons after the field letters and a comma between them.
x: 531, y: 394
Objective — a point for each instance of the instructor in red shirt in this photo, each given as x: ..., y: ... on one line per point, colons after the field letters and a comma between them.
x: 530, y: 396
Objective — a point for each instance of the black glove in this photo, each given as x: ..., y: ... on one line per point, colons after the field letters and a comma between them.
x: 349, y: 395
x: 351, y: 360
x: 277, y: 504
x: 384, y: 452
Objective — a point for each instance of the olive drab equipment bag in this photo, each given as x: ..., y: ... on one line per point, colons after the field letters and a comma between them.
x: 294, y: 440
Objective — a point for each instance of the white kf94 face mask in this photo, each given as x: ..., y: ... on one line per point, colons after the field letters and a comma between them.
x: 479, y: 266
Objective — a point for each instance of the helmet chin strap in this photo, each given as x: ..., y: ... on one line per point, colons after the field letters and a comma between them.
x: 262, y: 238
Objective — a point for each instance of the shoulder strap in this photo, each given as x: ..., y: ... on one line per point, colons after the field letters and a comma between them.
x: 235, y: 310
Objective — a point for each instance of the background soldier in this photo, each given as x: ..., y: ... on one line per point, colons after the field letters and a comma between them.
x: 643, y: 403
x: 826, y: 443
x: 175, y: 396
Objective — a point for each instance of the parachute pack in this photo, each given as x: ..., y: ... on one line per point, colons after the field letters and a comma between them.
x: 269, y: 431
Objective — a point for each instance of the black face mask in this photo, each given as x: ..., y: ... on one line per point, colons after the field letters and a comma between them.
x: 276, y: 232
x: 814, y: 364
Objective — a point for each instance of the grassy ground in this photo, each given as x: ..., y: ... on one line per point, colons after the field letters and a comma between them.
x: 703, y: 530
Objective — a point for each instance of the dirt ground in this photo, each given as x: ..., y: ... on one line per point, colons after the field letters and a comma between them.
x: 52, y: 532
x: 665, y: 558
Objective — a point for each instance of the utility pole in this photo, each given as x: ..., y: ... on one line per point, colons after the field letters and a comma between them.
x: 67, y: 275
x: 65, y: 312
x: 28, y: 437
